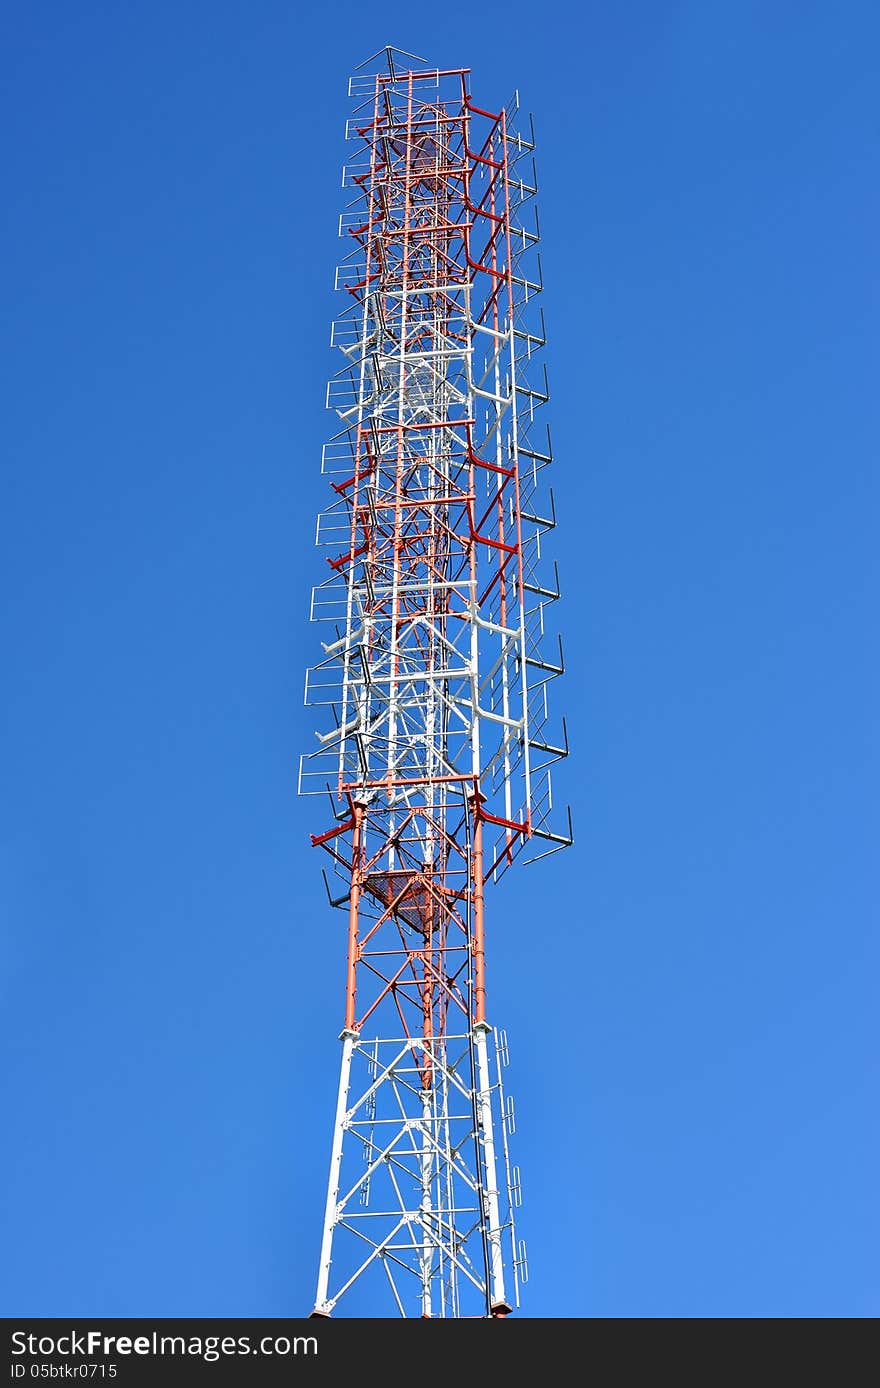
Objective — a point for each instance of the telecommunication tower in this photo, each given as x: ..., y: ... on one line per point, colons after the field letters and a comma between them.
x: 437, y: 744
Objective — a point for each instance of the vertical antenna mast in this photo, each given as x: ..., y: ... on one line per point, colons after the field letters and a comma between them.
x: 436, y: 744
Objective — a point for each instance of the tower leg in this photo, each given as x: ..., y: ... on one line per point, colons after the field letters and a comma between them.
x: 322, y: 1305
x: 497, y: 1300
x: 427, y: 1171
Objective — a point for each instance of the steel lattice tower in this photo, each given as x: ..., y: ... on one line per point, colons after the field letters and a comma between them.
x: 438, y: 749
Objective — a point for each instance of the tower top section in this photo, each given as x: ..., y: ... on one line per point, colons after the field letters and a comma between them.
x: 436, y: 596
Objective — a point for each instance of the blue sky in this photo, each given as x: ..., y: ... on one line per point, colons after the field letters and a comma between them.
x: 690, y: 992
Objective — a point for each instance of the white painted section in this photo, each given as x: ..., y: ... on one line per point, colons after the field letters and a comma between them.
x: 321, y: 1301
x: 427, y: 1220
x: 484, y: 1100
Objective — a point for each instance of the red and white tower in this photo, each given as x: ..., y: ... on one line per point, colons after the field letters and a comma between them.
x: 436, y: 744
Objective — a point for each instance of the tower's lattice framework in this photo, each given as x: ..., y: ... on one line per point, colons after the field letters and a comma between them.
x: 437, y: 744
